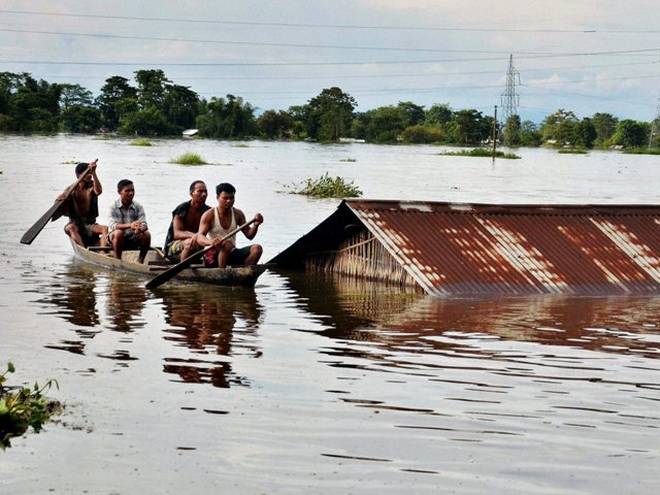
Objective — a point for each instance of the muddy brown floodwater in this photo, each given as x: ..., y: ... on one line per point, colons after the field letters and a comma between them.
x: 315, y: 384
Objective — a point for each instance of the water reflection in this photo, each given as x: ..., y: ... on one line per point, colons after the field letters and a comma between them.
x: 365, y: 311
x: 215, y: 324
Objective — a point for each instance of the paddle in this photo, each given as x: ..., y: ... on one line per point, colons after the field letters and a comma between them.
x: 163, y: 277
x: 38, y: 226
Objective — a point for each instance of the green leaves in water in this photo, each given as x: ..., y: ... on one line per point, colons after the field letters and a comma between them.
x: 326, y: 187
x: 21, y: 408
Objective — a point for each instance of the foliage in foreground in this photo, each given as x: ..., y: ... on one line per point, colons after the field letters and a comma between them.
x: 23, y: 408
x: 481, y: 152
x: 326, y: 187
x: 189, y: 159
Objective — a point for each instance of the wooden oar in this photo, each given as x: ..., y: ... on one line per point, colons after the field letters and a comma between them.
x: 161, y: 278
x: 38, y: 226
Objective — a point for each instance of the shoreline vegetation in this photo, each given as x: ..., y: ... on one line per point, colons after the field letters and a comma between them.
x: 152, y: 105
x: 481, y: 152
x: 22, y: 408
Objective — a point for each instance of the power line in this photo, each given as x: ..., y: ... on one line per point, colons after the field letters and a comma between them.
x: 361, y: 76
x: 641, y: 51
x: 335, y: 26
x: 249, y: 43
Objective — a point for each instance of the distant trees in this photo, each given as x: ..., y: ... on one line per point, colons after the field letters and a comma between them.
x: 154, y: 105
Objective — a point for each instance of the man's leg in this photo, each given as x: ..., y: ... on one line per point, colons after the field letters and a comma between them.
x: 255, y: 254
x: 190, y: 246
x: 102, y: 232
x: 144, y: 239
x: 72, y: 230
x: 224, y: 252
x: 117, y: 243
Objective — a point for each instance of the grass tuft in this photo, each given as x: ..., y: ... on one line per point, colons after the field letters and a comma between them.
x: 189, y: 159
x: 482, y: 152
x: 326, y: 187
x: 350, y: 160
x: 140, y: 142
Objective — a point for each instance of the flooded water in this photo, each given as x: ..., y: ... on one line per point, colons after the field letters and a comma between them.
x: 320, y: 385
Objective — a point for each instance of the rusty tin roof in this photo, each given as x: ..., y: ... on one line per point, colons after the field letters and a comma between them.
x: 479, y: 249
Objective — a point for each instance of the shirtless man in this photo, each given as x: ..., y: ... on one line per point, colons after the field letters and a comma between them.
x: 218, y: 222
x: 181, y: 239
x: 82, y: 208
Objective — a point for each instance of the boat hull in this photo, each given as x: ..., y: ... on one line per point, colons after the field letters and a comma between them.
x: 155, y: 263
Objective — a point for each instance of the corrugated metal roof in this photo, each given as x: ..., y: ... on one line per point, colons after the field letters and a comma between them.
x: 477, y: 249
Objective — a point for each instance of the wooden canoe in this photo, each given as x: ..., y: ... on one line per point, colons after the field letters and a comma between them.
x: 155, y: 263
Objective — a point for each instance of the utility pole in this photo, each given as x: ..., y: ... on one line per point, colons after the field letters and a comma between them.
x: 655, y: 125
x: 509, y: 98
x: 494, y: 133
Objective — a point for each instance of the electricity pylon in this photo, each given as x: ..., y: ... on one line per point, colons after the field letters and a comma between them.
x: 510, y: 99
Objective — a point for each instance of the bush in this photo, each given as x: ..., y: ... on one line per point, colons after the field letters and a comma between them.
x: 420, y: 134
x: 326, y: 187
x: 189, y: 159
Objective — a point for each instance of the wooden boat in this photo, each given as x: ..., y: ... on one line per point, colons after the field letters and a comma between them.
x: 155, y: 262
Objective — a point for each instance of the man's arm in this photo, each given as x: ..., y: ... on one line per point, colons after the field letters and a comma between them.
x: 98, y: 188
x: 204, y: 227
x: 251, y: 230
x: 180, y: 232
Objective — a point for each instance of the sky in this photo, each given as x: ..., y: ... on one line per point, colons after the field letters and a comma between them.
x: 584, y: 56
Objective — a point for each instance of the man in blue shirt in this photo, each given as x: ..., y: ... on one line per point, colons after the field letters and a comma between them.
x: 128, y: 223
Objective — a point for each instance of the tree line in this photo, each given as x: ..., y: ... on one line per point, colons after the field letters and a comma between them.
x: 152, y: 105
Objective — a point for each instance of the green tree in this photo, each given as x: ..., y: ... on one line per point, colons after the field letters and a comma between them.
x: 530, y: 134
x: 117, y: 99
x: 422, y: 134
x: 151, y: 88
x: 383, y: 124
x: 411, y: 114
x: 630, y: 134
x: 329, y: 114
x: 274, y: 125
x: 34, y: 106
x: 470, y: 127
x: 78, y: 113
x: 147, y: 122
x: 180, y: 106
x: 439, y: 114
x: 512, y: 131
x: 560, y: 127
x: 230, y: 118
x: 585, y: 133
x: 605, y: 125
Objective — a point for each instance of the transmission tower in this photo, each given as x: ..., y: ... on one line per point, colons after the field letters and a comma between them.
x: 510, y: 99
x: 655, y: 125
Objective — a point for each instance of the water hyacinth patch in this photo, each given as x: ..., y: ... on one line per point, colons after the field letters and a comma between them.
x: 189, y: 159
x: 481, y: 152
x: 326, y: 187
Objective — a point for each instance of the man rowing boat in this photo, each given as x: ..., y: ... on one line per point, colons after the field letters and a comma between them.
x: 221, y: 220
x: 82, y: 208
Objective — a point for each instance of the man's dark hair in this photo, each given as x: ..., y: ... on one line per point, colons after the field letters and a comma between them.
x: 224, y: 187
x: 192, y: 186
x: 80, y: 168
x: 122, y: 184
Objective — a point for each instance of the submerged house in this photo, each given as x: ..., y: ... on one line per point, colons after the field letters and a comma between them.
x: 456, y: 249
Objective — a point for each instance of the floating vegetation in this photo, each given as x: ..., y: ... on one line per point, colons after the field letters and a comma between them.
x: 483, y: 152
x: 573, y: 151
x: 140, y: 142
x: 326, y: 187
x: 21, y: 408
x: 70, y: 162
x: 642, y: 151
x: 351, y: 160
x: 240, y: 145
x: 189, y: 159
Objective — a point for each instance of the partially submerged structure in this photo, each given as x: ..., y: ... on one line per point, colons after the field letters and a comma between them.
x: 452, y: 249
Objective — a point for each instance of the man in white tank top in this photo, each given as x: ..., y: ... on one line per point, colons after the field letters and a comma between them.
x: 220, y: 221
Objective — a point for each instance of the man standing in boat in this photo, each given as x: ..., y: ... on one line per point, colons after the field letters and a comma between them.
x: 128, y: 223
x: 82, y: 208
x: 181, y: 239
x: 218, y: 222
